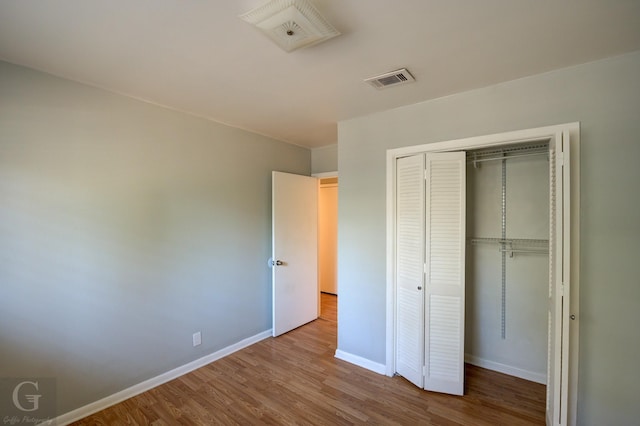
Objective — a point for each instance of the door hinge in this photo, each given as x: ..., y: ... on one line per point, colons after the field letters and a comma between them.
x: 560, y: 158
x: 425, y: 174
x: 424, y: 370
x: 424, y: 268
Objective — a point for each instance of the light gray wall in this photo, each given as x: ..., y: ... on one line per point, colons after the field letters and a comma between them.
x: 324, y: 159
x: 605, y: 97
x: 527, y: 275
x: 124, y: 228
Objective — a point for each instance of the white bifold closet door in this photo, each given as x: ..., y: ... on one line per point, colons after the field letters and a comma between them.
x: 559, y: 282
x: 430, y: 215
x: 410, y: 224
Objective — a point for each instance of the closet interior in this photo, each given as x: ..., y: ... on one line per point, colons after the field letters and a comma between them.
x: 507, y: 259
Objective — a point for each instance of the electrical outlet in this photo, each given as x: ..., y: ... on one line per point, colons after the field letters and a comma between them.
x: 197, y: 339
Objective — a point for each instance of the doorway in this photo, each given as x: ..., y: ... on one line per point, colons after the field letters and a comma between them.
x: 562, y: 347
x: 328, y: 244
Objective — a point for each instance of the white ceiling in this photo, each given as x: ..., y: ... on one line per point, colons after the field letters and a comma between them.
x: 198, y: 56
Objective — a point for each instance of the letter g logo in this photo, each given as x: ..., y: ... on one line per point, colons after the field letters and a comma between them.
x: 33, y: 399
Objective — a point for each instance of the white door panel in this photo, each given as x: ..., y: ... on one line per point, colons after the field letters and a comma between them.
x: 430, y: 232
x: 445, y: 266
x: 295, y: 251
x: 410, y: 269
x: 560, y: 284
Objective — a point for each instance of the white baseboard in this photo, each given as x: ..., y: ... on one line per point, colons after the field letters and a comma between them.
x: 134, y: 390
x: 506, y: 369
x: 361, y: 362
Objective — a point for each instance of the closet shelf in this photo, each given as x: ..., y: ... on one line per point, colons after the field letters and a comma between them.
x: 515, y: 245
x: 506, y: 153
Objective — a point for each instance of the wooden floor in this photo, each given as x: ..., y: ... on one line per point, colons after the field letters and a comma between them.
x: 295, y: 379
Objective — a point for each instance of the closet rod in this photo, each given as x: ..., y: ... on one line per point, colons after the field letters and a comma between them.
x: 525, y: 241
x: 512, y: 250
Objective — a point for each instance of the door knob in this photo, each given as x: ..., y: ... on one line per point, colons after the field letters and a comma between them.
x: 279, y: 262
x: 573, y: 317
x: 419, y: 287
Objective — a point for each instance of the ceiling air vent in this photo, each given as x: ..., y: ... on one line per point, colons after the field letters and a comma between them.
x: 392, y: 78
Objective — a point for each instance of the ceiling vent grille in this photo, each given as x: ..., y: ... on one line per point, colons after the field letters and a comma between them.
x: 392, y: 78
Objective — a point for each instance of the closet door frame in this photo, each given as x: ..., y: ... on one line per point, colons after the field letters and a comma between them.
x: 550, y: 133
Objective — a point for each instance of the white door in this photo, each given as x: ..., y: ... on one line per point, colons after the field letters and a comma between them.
x: 430, y: 258
x: 410, y: 222
x: 445, y: 266
x: 294, y: 251
x: 559, y: 283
